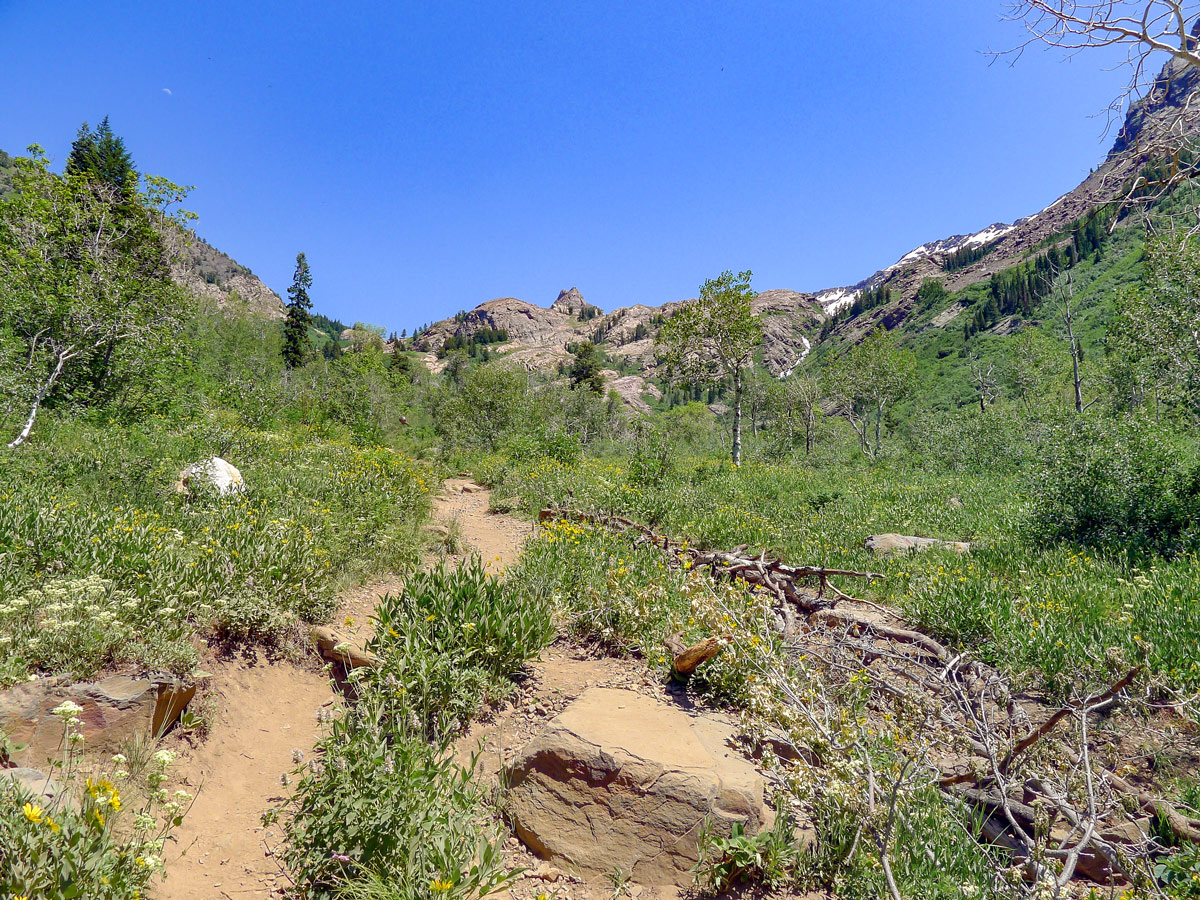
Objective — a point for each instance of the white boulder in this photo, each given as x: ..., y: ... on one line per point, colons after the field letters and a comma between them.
x: 221, y: 475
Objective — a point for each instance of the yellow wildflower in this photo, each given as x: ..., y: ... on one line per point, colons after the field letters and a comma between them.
x: 34, y: 813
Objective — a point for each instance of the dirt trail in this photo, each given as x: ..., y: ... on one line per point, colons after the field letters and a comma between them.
x: 496, y: 537
x: 264, y: 709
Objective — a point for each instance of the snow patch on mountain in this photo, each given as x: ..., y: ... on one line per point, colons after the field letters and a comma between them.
x: 836, y: 299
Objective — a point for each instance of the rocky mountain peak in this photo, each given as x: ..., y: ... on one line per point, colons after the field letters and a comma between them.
x: 1159, y: 111
x: 570, y: 302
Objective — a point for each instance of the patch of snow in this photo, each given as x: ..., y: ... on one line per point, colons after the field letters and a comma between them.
x: 836, y: 299
x: 989, y: 235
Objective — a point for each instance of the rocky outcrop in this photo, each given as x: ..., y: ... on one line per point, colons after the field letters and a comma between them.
x: 524, y: 322
x: 207, y: 272
x: 221, y: 476
x: 791, y: 327
x: 903, y: 544
x: 622, y: 782
x: 632, y: 389
x: 570, y: 303
x: 114, y: 710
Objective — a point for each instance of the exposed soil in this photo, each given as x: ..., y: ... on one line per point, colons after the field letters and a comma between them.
x: 496, y: 537
x: 264, y: 708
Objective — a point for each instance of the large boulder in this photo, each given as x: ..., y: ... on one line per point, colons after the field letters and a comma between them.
x: 114, y: 710
x: 621, y: 781
x: 223, y: 476
x: 902, y: 544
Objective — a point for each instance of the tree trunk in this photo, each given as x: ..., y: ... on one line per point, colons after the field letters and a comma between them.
x: 878, y: 419
x: 41, y: 395
x: 737, y: 418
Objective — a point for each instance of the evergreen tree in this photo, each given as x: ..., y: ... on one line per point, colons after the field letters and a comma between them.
x: 101, y: 155
x: 295, y: 327
x: 585, y: 369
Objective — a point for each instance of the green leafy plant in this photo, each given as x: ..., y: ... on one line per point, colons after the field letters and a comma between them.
x: 1179, y: 874
x: 97, y: 839
x: 770, y: 858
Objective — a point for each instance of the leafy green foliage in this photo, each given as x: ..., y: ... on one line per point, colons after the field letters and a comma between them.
x: 388, y: 812
x: 467, y: 624
x: 585, y: 367
x: 100, y: 154
x: 1179, y: 874
x: 1118, y: 485
x: 713, y: 339
x: 770, y: 858
x: 103, y: 839
x: 89, y: 303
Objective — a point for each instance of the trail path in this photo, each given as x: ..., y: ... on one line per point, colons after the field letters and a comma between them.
x: 263, y: 709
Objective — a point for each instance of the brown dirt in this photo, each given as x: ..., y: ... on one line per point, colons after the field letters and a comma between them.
x: 496, y: 537
x: 264, y: 708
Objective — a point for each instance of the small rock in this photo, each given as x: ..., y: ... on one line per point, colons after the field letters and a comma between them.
x: 221, y: 475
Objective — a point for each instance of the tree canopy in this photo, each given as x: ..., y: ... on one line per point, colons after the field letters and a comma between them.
x: 100, y: 154
x: 712, y: 339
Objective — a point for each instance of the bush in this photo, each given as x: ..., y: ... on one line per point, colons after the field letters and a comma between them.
x: 389, y: 813
x: 770, y: 858
x: 83, y: 848
x: 389, y: 808
x: 1119, y: 485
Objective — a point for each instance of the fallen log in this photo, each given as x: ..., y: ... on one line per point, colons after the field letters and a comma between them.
x: 771, y: 574
x: 687, y: 661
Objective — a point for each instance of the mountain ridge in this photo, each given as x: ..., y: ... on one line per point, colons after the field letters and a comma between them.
x: 795, y: 321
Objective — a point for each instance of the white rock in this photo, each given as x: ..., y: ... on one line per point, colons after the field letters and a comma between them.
x: 223, y: 476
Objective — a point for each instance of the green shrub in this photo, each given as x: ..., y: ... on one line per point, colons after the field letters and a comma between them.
x: 463, y: 613
x: 385, y: 806
x: 770, y: 859
x: 1179, y: 874
x: 388, y: 812
x: 1119, y: 485
x: 97, y: 840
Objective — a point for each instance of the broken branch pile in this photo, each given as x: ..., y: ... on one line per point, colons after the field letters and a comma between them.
x: 1042, y: 795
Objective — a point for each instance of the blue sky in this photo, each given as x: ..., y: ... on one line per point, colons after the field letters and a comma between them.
x: 430, y: 156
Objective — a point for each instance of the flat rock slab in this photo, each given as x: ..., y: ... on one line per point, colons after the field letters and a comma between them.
x: 115, y: 710
x: 622, y: 781
x: 901, y: 544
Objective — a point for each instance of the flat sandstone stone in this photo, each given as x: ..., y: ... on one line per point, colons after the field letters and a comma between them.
x: 115, y: 710
x: 622, y: 781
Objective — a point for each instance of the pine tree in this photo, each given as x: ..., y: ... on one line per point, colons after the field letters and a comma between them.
x: 295, y: 327
x: 100, y: 154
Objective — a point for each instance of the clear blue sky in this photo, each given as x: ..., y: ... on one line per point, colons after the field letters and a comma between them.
x: 430, y: 156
